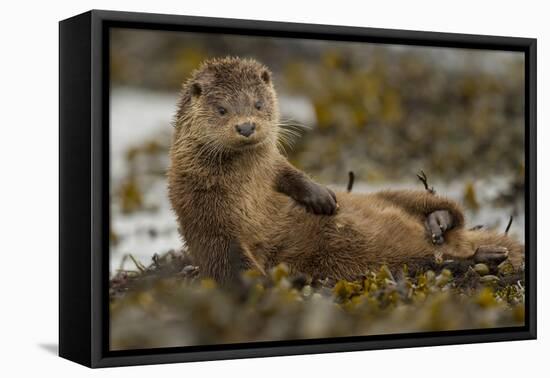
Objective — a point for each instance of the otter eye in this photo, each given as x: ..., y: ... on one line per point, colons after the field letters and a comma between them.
x: 258, y: 105
x: 222, y: 110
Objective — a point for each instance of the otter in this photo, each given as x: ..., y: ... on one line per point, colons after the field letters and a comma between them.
x: 239, y: 203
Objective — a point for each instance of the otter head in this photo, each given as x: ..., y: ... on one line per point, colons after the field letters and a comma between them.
x: 229, y: 105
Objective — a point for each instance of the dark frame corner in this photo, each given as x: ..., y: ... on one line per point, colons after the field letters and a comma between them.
x: 84, y: 191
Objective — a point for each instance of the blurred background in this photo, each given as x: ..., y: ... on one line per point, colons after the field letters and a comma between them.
x: 384, y: 112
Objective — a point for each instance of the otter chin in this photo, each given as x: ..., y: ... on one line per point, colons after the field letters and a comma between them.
x: 239, y: 203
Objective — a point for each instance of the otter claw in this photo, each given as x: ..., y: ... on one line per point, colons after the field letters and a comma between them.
x: 437, y: 239
x: 437, y: 223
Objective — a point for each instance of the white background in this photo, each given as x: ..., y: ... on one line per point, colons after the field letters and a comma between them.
x: 29, y: 186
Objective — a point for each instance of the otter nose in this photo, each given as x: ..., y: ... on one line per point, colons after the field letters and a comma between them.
x: 246, y: 129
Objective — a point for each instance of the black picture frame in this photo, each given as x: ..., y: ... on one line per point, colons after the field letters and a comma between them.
x: 84, y: 187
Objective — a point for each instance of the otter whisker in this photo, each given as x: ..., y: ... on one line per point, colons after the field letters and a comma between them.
x: 281, y: 147
x: 210, y: 152
x: 290, y: 132
x: 294, y: 128
x: 294, y: 123
x: 286, y: 140
x: 288, y: 136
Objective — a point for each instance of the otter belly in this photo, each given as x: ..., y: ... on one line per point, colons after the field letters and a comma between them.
x: 362, y: 235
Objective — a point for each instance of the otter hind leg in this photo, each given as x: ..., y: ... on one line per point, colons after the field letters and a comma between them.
x: 491, y: 254
x: 483, y: 246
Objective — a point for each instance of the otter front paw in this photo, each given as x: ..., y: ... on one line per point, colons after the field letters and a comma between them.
x: 318, y: 199
x: 437, y: 223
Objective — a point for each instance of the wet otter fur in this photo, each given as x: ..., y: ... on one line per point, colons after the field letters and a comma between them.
x: 240, y: 203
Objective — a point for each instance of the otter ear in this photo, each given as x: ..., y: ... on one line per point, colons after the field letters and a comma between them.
x: 196, y: 90
x: 266, y: 76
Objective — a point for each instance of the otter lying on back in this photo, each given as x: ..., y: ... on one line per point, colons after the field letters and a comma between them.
x: 240, y: 203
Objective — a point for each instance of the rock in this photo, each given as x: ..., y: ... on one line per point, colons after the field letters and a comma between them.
x: 443, y: 278
x: 489, y: 279
x: 481, y: 269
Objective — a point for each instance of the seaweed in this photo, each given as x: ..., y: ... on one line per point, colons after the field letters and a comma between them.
x: 168, y: 304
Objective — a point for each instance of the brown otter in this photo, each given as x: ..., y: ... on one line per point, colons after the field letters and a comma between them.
x: 240, y: 203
